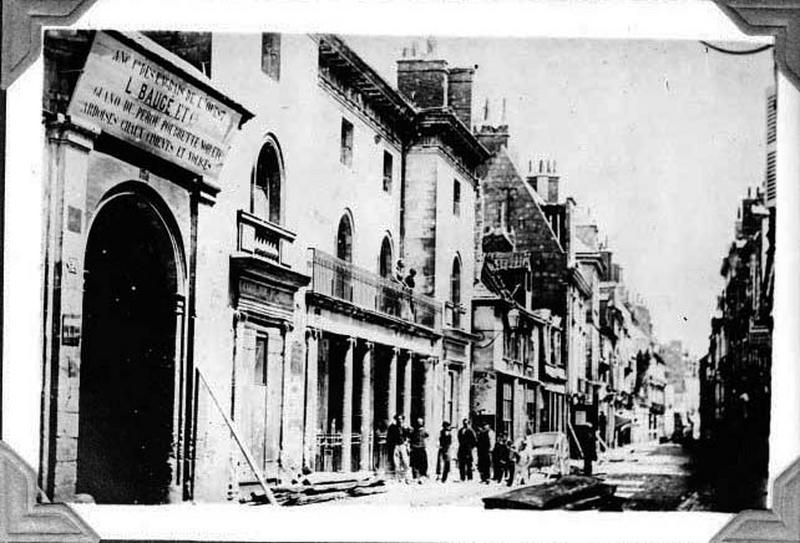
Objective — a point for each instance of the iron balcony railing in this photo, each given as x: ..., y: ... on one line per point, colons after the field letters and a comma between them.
x: 328, y: 455
x: 341, y: 280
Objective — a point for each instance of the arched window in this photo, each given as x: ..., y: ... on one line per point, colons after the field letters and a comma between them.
x: 385, y: 260
x: 267, y: 184
x: 344, y: 239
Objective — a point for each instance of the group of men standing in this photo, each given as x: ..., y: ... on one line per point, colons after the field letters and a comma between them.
x: 408, y: 451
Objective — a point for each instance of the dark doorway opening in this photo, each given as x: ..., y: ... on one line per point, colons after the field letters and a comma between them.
x: 417, y: 392
x: 128, y: 356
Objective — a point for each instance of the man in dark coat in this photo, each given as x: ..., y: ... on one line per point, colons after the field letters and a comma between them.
x: 397, y: 442
x: 443, y: 459
x: 588, y: 440
x: 466, y: 442
x: 485, y: 445
x: 500, y: 458
x: 419, y: 453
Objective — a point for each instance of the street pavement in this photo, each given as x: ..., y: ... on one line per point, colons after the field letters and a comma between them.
x: 648, y: 477
x: 651, y: 477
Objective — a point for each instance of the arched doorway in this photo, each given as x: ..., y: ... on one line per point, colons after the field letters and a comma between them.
x: 127, y: 379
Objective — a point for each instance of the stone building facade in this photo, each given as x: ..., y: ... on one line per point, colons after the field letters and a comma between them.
x: 281, y: 335
x: 518, y: 236
x: 136, y: 145
x: 233, y: 226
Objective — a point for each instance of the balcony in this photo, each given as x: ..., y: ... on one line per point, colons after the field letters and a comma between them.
x: 261, y: 238
x: 341, y: 281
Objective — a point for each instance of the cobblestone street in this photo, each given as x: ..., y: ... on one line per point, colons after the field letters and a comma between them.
x: 651, y: 477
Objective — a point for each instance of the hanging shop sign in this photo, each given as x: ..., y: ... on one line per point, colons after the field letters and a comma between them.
x: 132, y: 97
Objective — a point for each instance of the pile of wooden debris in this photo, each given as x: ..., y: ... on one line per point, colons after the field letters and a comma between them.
x: 318, y: 487
x: 568, y: 492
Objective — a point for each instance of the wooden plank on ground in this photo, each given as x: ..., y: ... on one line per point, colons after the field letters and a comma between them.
x: 327, y: 478
x: 568, y: 489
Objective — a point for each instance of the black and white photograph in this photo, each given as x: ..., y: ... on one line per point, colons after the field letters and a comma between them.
x: 347, y: 272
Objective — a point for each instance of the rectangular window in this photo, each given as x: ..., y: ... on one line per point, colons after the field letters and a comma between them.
x: 388, y: 161
x: 260, y: 366
x: 346, y: 156
x: 530, y: 407
x: 508, y: 409
x: 451, y: 391
x: 456, y: 197
x: 271, y: 55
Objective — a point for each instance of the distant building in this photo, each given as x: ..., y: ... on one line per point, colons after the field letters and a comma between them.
x: 735, y: 374
x: 519, y: 251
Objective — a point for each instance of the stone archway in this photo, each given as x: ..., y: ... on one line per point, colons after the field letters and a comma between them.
x: 128, y: 355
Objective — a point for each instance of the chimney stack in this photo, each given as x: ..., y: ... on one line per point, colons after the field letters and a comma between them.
x: 544, y: 179
x: 459, y: 93
x: 430, y: 83
x: 423, y: 82
x: 493, y: 137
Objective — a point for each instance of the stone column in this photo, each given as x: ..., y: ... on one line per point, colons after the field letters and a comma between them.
x: 176, y: 457
x: 407, y: 387
x: 347, y: 406
x: 366, y: 408
x: 428, y: 390
x: 69, y: 144
x: 310, y: 428
x: 392, y: 411
x: 429, y: 410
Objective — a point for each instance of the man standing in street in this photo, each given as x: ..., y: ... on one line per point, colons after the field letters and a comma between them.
x: 397, y: 442
x: 419, y: 453
x: 443, y: 458
x: 485, y: 445
x: 587, y: 438
x: 466, y: 442
x: 500, y: 458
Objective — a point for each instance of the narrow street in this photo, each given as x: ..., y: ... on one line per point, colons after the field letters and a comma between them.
x: 648, y: 477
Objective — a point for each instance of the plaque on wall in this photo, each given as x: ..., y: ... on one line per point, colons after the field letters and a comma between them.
x: 133, y: 98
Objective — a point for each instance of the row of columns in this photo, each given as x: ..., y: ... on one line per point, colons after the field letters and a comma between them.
x: 365, y: 395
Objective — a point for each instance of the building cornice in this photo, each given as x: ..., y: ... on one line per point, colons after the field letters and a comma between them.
x: 336, y: 55
x: 366, y: 114
x: 579, y: 281
x: 443, y: 122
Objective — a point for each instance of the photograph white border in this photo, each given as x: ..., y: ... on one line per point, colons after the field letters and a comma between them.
x: 23, y: 132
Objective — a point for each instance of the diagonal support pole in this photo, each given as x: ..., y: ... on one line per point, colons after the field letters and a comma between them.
x: 245, y: 450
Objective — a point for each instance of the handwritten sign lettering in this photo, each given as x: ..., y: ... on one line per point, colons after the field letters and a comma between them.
x: 133, y: 98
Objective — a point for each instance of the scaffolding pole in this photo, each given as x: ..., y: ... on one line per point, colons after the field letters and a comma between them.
x: 236, y: 437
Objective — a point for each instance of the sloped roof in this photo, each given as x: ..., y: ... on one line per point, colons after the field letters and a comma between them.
x: 503, y: 154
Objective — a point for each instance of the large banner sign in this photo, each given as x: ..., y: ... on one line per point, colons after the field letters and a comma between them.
x: 131, y: 97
